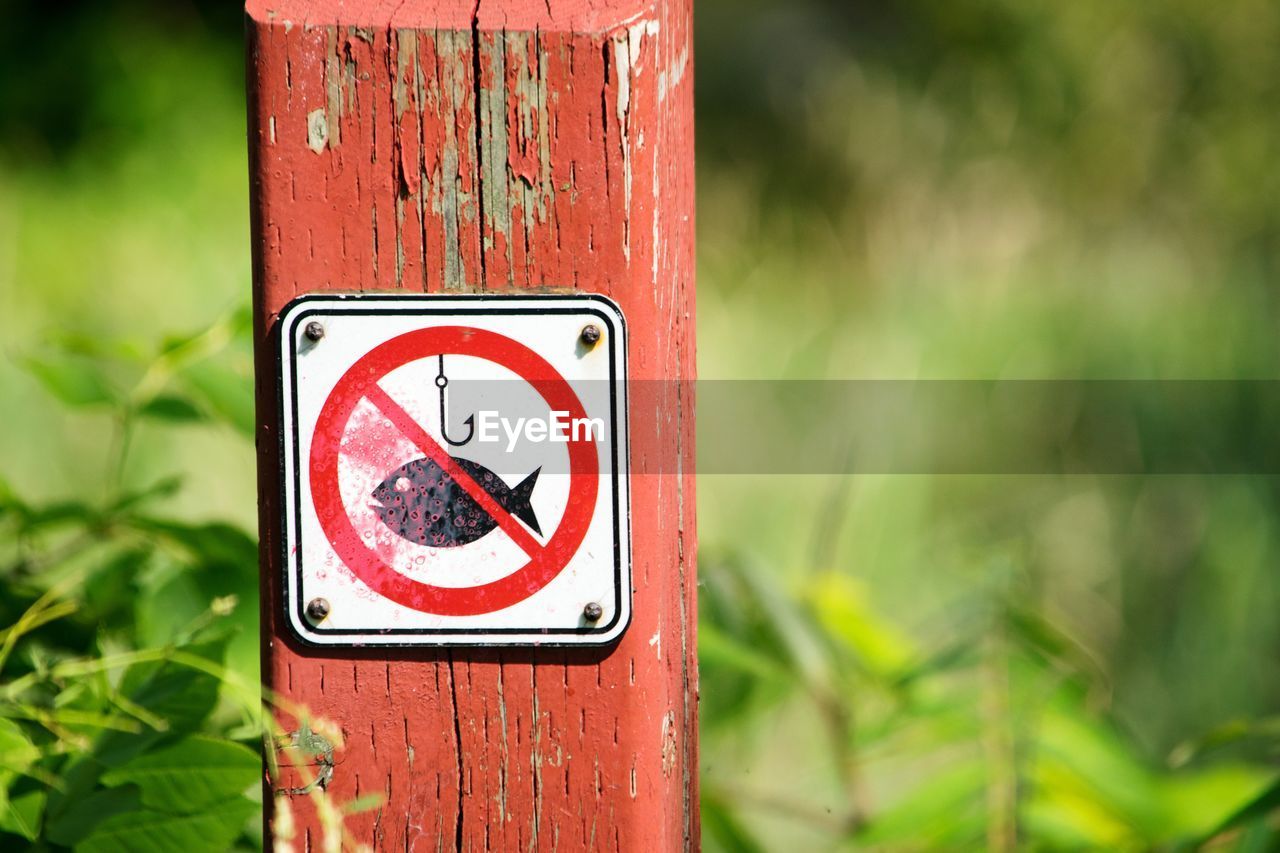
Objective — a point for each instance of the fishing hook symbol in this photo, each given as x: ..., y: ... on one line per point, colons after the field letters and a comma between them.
x: 442, y: 382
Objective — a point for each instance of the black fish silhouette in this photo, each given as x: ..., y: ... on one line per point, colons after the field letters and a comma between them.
x: 422, y: 503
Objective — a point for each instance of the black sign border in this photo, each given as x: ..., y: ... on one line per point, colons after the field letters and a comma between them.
x: 288, y: 337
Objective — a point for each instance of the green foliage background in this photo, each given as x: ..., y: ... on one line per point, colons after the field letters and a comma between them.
x: 973, y: 189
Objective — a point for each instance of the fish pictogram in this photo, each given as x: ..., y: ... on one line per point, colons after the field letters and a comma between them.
x: 420, y: 502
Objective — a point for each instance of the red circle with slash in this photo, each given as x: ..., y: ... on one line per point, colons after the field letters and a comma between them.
x: 361, y: 382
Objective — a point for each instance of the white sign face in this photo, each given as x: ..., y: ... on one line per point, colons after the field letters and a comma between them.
x: 455, y: 470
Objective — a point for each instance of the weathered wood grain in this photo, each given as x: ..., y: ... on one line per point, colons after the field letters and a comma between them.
x: 503, y: 145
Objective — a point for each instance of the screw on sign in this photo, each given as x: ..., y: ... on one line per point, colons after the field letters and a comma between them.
x: 406, y: 532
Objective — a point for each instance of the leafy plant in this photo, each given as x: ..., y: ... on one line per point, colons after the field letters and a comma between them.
x: 130, y: 708
x: 992, y: 738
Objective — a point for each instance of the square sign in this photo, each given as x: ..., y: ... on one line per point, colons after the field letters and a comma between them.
x: 455, y: 470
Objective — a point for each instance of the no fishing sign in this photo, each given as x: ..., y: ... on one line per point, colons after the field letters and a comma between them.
x: 455, y: 470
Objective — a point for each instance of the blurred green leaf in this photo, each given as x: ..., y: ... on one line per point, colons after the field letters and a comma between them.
x: 162, y: 488
x: 960, y: 654
x: 180, y: 695
x: 716, y: 649
x: 62, y: 512
x: 1088, y: 784
x: 76, y: 383
x: 23, y: 813
x: 224, y: 392
x: 212, y: 543
x: 213, y: 829
x: 1264, y: 732
x: 98, y: 347
x: 9, y: 500
x: 749, y: 630
x: 171, y: 408
x: 943, y: 811
x: 1036, y: 632
x: 69, y: 825
x: 240, y: 321
x: 111, y: 588
x: 17, y: 752
x: 844, y: 612
x: 1267, y: 802
x: 182, y: 350
x: 724, y: 829
x: 190, y: 775
x: 752, y: 604
x: 20, y: 810
x: 205, y: 562
x: 1199, y: 802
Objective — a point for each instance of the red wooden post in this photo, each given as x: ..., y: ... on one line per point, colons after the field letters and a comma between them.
x: 505, y: 144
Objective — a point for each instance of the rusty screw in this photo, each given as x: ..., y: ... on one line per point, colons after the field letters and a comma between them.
x: 590, y: 334
x: 314, y: 331
x: 592, y: 612
x: 317, y: 609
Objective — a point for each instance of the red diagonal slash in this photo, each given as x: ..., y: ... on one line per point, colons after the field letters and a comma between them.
x: 413, y: 431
